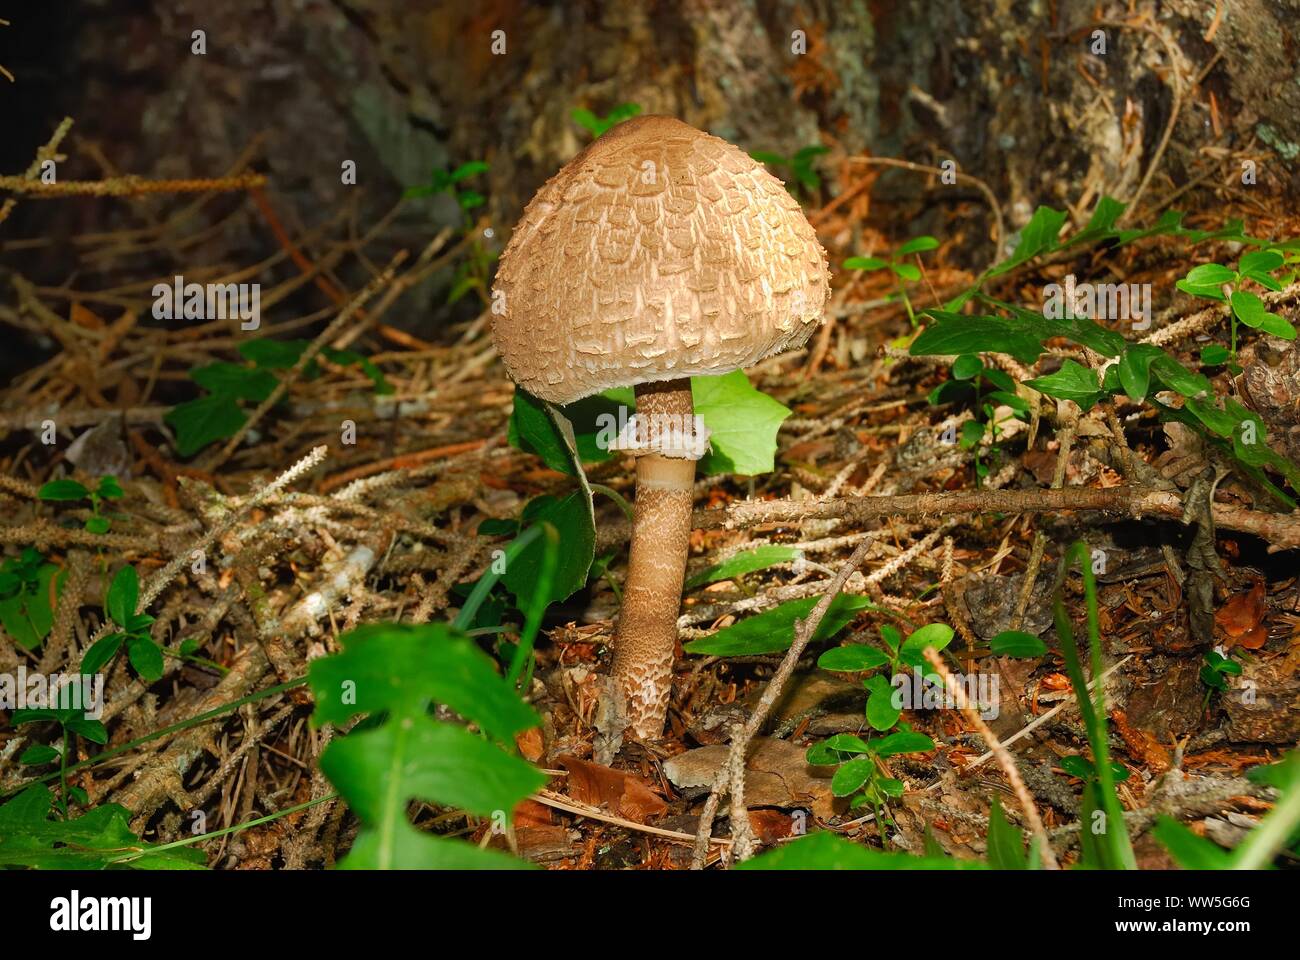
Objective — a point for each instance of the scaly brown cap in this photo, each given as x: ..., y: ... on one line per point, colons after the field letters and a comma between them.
x: 659, y: 252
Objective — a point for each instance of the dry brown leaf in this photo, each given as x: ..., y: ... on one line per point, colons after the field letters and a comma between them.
x: 615, y: 790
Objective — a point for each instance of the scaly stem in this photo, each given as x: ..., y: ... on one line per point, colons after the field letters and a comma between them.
x: 646, y: 637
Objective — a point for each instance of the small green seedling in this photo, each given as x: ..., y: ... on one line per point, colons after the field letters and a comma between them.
x: 597, y: 126
x: 1216, y: 671
x: 448, y: 181
x: 800, y: 166
x: 987, y: 388
x: 141, y: 651
x: 902, y: 271
x: 1217, y: 282
x: 70, y: 490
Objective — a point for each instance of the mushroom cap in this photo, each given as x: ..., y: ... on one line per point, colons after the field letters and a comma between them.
x: 658, y: 252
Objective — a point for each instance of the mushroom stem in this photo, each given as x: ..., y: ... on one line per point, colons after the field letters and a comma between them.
x: 646, y: 638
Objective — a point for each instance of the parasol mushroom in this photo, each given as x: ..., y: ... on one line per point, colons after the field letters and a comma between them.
x: 656, y: 254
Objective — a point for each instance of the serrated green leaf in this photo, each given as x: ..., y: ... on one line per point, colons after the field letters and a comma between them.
x: 402, y: 667
x: 773, y: 630
x: 747, y: 561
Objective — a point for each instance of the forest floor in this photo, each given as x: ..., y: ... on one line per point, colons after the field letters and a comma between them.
x: 380, y: 495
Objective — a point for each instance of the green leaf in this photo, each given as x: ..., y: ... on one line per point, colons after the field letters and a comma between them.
x: 845, y: 743
x: 1260, y: 261
x: 866, y: 263
x: 904, y: 741
x: 27, y: 615
x: 64, y: 489
x: 773, y: 630
x: 417, y: 758
x: 401, y: 667
x: 1038, y: 236
x: 747, y: 561
x: 1188, y: 850
x: 853, y: 658
x: 101, y: 652
x: 968, y: 365
x: 97, y: 839
x: 270, y: 354
x: 92, y: 730
x: 826, y: 851
x: 243, y: 383
x: 908, y: 271
x: 98, y: 525
x: 38, y: 755
x: 937, y: 635
x: 947, y: 333
x: 917, y: 245
x: 1072, y: 382
x: 470, y: 169
x: 203, y: 421
x: 109, y: 488
x: 1135, y: 369
x: 532, y: 430
x: 146, y: 656
x: 1006, y: 849
x: 1214, y: 355
x: 742, y: 423
x: 123, y: 595
x: 1014, y: 643
x: 850, y: 777
x: 572, y: 520
x: 972, y: 432
x: 406, y: 848
x: 881, y: 712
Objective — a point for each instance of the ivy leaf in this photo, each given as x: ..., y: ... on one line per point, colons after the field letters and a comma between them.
x: 237, y: 381
x: 572, y: 519
x: 742, y: 423
x: 773, y: 630
x: 203, y: 421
